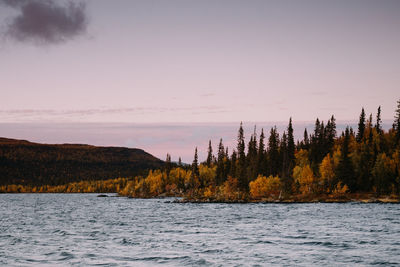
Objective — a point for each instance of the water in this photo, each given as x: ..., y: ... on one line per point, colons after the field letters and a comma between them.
x: 84, y: 230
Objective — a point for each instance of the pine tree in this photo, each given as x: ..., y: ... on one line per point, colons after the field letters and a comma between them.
x: 396, y: 124
x: 241, y: 168
x: 195, y: 165
x: 345, y: 170
x: 290, y: 146
x: 261, y: 155
x: 209, y: 154
x: 252, y: 162
x: 306, y: 140
x: 378, y: 125
x: 168, y: 165
x: 180, y: 162
x: 361, y: 126
x: 233, y: 170
x: 220, y: 173
x: 273, y: 152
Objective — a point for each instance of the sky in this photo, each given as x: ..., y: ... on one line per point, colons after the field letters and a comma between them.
x: 209, y: 63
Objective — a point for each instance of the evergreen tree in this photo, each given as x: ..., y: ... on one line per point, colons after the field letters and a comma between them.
x: 220, y: 174
x: 261, y: 157
x: 209, y: 154
x: 330, y: 134
x: 361, y: 126
x: 285, y: 163
x: 306, y: 140
x: 252, y: 162
x: 396, y: 125
x: 233, y: 170
x: 345, y: 170
x: 378, y: 125
x: 241, y: 167
x: 273, y: 152
x: 168, y: 165
x: 180, y: 162
x: 290, y: 146
x: 195, y: 165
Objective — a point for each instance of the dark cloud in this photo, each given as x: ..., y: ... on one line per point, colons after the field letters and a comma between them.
x: 45, y: 21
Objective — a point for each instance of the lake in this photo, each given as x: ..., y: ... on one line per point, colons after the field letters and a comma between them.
x: 85, y: 230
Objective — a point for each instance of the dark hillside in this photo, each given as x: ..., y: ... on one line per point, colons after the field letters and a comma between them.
x: 23, y: 162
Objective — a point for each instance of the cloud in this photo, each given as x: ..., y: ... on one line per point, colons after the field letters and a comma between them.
x: 17, y: 114
x: 46, y: 21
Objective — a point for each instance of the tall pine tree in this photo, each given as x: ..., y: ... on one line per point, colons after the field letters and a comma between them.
x: 361, y: 126
x: 241, y: 167
x: 209, y: 154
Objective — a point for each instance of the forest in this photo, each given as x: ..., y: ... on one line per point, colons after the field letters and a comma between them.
x: 324, y: 166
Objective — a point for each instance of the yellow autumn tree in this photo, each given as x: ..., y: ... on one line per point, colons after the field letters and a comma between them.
x: 265, y: 187
x: 327, y: 171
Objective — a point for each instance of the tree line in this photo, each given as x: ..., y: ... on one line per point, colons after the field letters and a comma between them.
x: 362, y: 160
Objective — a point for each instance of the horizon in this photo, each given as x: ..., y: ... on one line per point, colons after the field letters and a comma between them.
x: 206, y: 63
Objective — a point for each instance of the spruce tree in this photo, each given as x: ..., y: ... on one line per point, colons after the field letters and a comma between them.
x: 396, y: 124
x: 209, y: 154
x: 345, y: 170
x: 251, y: 158
x: 378, y: 125
x: 273, y: 152
x: 241, y: 167
x: 220, y: 173
x: 195, y: 164
x: 261, y: 155
x: 361, y: 126
x: 306, y: 140
x: 168, y: 165
x: 290, y: 145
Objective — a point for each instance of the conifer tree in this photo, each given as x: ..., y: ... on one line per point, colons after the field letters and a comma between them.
x: 361, y: 126
x: 233, y: 170
x: 168, y: 165
x: 261, y: 155
x: 195, y: 164
x: 378, y: 125
x: 306, y: 140
x: 252, y: 162
x: 396, y: 124
x: 220, y: 174
x: 345, y: 171
x: 273, y: 152
x: 179, y: 162
x: 209, y: 154
x: 241, y: 167
x: 290, y: 146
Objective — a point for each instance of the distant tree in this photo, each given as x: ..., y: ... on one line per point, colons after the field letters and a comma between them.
x: 261, y: 156
x: 233, y: 171
x: 361, y: 126
x: 396, y: 124
x: 241, y: 167
x: 345, y: 170
x: 195, y: 164
x: 168, y: 165
x: 220, y: 176
x: 290, y: 146
x: 273, y: 153
x: 209, y: 154
x: 179, y: 162
x: 251, y: 158
x: 378, y: 125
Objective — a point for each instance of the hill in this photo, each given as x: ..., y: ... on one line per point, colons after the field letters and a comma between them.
x: 24, y: 162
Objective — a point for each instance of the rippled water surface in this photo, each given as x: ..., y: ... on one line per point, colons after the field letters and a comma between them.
x: 82, y: 229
